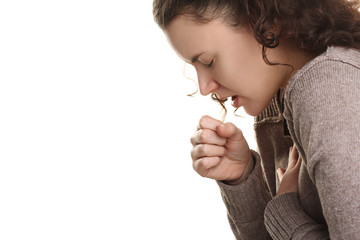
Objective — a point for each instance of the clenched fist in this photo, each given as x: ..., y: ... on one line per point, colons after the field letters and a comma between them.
x: 220, y: 151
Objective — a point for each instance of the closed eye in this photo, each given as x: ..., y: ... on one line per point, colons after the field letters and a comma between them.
x: 211, y: 63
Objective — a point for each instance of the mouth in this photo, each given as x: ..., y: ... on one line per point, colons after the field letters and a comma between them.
x: 235, y: 102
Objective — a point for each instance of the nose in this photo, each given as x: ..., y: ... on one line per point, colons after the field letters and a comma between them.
x: 207, y: 84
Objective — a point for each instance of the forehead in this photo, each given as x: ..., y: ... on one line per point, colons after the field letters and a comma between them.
x: 188, y: 37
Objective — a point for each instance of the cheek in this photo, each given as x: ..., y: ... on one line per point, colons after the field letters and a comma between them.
x: 226, y: 74
x: 239, y: 72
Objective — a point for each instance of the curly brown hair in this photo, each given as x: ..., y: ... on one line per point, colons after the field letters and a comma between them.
x: 312, y: 25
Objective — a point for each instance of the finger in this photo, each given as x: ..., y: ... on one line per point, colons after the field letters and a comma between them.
x: 207, y: 136
x: 298, y: 164
x: 293, y: 157
x: 280, y: 172
x: 207, y: 150
x: 203, y: 165
x: 207, y: 122
x: 229, y: 131
x: 226, y: 130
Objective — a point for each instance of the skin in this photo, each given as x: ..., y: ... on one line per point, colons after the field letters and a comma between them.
x: 229, y: 62
x: 289, y: 178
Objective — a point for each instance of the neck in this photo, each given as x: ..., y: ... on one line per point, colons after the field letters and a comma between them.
x: 296, y: 58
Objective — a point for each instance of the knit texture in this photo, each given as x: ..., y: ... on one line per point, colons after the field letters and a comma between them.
x: 322, y: 110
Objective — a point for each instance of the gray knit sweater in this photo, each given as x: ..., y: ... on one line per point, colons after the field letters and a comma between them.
x: 322, y: 112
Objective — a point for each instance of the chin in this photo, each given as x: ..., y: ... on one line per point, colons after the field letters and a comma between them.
x: 250, y: 112
x: 253, y: 111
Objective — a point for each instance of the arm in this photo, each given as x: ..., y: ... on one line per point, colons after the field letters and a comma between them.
x: 246, y: 203
x: 326, y: 126
x: 221, y: 152
x: 284, y: 216
x: 286, y: 219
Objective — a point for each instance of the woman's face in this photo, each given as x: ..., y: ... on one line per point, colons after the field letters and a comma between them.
x: 229, y: 62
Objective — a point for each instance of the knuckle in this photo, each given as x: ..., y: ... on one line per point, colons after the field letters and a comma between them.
x: 195, y: 167
x: 198, y: 151
x: 193, y: 154
x: 202, y: 149
x: 203, y: 120
x: 202, y: 164
x: 193, y: 140
x: 200, y: 167
x: 203, y: 136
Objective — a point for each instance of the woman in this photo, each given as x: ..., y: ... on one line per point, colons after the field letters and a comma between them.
x: 295, y: 66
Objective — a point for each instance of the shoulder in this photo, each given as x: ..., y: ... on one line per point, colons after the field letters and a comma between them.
x: 337, y: 66
x: 323, y: 96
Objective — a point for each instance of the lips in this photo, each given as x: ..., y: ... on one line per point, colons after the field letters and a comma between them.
x: 234, y: 99
x: 235, y: 102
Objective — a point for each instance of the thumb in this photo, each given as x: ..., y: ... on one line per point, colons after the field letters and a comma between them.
x: 228, y: 130
x: 236, y: 144
x: 280, y: 172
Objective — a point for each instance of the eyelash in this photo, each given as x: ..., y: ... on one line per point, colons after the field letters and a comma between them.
x: 211, y: 63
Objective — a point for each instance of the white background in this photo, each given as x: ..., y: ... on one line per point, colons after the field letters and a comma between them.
x: 95, y: 126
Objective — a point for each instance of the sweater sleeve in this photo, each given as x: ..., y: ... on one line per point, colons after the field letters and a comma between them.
x: 245, y: 204
x: 325, y: 109
x: 286, y: 219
